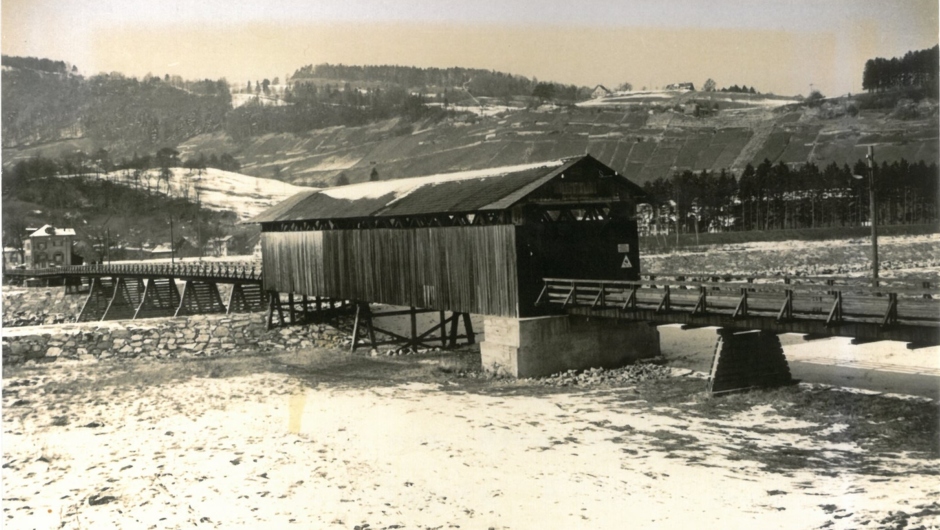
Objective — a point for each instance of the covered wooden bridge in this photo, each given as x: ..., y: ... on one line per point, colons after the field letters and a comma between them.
x: 471, y: 242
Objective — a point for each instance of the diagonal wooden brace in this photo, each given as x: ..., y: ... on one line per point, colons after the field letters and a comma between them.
x: 891, y: 315
x: 835, y: 314
x: 741, y: 310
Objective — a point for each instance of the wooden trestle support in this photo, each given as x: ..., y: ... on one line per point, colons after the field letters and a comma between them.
x: 199, y: 298
x: 161, y: 298
x: 100, y: 293
x: 133, y: 298
x: 245, y: 298
x: 365, y: 325
x: 124, y: 300
x: 306, y: 310
x: 302, y: 310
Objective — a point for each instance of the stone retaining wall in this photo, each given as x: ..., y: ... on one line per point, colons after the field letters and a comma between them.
x: 33, y: 306
x: 194, y: 336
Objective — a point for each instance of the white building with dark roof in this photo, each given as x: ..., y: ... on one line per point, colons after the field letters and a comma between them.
x: 49, y: 246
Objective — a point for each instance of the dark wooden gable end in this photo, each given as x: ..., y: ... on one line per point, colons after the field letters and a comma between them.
x: 474, y: 245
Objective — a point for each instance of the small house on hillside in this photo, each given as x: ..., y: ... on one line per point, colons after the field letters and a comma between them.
x: 600, y: 91
x: 182, y: 249
x: 49, y: 246
x: 472, y: 242
x: 680, y: 86
x: 162, y: 251
x: 219, y: 246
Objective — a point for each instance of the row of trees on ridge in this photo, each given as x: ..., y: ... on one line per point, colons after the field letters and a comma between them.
x: 915, y: 69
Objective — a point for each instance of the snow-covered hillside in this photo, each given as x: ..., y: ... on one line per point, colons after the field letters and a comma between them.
x: 239, y: 99
x: 672, y: 97
x: 215, y: 189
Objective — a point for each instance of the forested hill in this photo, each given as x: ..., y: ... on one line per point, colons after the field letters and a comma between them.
x: 45, y: 101
x: 481, y: 83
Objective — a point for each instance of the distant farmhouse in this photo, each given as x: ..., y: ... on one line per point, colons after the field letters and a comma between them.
x: 680, y: 86
x: 219, y: 246
x: 600, y: 91
x: 182, y: 249
x: 49, y: 246
x: 164, y: 251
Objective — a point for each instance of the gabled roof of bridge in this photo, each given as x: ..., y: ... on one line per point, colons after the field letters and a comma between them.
x: 467, y: 191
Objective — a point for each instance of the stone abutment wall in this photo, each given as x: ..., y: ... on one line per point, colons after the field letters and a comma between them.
x: 162, y: 338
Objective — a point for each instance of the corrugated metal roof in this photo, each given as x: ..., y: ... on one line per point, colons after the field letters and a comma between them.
x: 469, y: 191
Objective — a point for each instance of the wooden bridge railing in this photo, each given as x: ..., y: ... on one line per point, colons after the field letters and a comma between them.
x: 233, y: 271
x: 907, y: 309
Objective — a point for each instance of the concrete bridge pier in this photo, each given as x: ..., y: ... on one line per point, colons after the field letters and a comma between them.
x: 541, y: 346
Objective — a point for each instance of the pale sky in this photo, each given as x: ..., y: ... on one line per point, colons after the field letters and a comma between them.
x: 780, y: 46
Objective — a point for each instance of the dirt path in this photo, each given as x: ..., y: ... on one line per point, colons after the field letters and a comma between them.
x: 321, y: 440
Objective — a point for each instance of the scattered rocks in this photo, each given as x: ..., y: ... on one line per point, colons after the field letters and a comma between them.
x: 408, y: 351
x: 96, y: 499
x: 634, y: 373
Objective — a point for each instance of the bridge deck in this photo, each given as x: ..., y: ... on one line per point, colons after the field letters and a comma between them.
x: 906, y: 310
x: 216, y: 271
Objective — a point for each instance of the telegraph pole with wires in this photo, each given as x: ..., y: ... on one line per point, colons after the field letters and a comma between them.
x: 872, y: 205
x: 872, y: 213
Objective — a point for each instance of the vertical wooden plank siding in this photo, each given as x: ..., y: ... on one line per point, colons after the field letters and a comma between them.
x: 463, y: 269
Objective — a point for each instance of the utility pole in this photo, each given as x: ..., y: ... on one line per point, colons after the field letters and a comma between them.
x: 872, y: 205
x: 172, y: 252
x: 872, y: 213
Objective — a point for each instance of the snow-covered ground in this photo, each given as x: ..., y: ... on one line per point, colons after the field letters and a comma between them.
x: 274, y: 450
x: 757, y: 102
x: 661, y: 95
x: 899, y: 256
x: 631, y: 98
x: 795, y: 244
x: 480, y: 110
x: 216, y: 189
x: 239, y: 99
